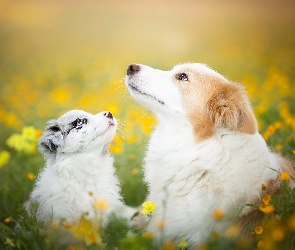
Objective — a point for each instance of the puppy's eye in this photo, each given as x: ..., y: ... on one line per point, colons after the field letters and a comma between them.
x: 182, y: 77
x: 78, y: 123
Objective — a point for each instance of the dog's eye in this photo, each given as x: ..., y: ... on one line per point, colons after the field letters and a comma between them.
x: 182, y: 77
x: 78, y: 123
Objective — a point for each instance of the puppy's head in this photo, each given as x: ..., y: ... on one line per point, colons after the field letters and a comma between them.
x: 192, y: 93
x: 78, y: 131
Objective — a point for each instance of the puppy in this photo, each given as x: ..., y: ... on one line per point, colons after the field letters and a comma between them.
x: 205, y: 154
x: 79, y: 169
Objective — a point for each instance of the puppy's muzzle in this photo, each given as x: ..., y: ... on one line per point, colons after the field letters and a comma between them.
x: 133, y: 69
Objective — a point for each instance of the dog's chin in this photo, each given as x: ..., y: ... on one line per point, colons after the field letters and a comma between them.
x: 139, y: 95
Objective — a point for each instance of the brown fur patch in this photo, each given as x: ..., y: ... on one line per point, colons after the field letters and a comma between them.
x: 230, y: 108
x: 212, y: 102
x: 252, y: 219
x: 273, y: 187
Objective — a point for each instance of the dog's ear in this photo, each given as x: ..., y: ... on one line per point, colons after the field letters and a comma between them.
x: 229, y: 107
x: 52, y: 138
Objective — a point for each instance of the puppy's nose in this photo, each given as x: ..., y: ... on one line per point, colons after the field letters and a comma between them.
x: 132, y: 69
x: 108, y: 115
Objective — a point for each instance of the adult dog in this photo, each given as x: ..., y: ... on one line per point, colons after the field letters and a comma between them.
x: 205, y: 154
x: 79, y: 170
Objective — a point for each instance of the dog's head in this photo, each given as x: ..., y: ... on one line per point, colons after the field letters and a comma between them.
x: 192, y: 93
x: 78, y: 131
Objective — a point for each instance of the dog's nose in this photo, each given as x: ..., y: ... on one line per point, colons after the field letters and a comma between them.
x: 132, y: 69
x: 108, y: 115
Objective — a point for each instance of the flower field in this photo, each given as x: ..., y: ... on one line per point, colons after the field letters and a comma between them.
x: 56, y: 56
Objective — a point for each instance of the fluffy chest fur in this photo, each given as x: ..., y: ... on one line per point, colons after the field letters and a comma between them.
x: 188, y: 181
x: 69, y: 190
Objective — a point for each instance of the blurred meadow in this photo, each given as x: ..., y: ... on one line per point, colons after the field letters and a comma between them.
x: 61, y: 55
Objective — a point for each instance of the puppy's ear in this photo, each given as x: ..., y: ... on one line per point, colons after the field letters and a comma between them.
x: 230, y: 108
x: 52, y: 138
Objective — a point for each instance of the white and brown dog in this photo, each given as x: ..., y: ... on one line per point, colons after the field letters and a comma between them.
x: 205, y: 154
x: 79, y: 169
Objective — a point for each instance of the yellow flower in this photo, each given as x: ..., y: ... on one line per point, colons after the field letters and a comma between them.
x: 87, y: 232
x: 4, y: 157
x: 278, y: 125
x: 68, y: 226
x: 7, y: 220
x: 218, y: 214
x: 132, y: 157
x: 131, y: 139
x: 285, y: 176
x: 266, y: 135
x: 279, y: 147
x: 25, y: 142
x: 30, y: 176
x: 291, y: 222
x: 15, y: 141
x: 266, y: 199
x: 261, y: 244
x: 149, y: 207
x: 293, y: 152
x: 101, y: 205
x: 148, y: 235
x: 38, y: 132
x: 118, y: 149
x: 134, y: 171
x: 29, y: 133
x: 259, y: 230
x: 278, y: 234
x: 271, y: 129
x: 263, y: 187
x: 268, y: 209
x: 168, y: 246
x: 182, y: 244
x: 60, y: 96
x: 232, y: 231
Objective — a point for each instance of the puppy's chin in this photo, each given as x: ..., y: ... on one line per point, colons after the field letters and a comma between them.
x: 103, y: 140
x: 109, y: 133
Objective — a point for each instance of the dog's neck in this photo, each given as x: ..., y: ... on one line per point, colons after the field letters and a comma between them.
x: 184, y: 150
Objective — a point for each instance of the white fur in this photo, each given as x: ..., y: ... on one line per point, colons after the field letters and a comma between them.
x: 79, y: 169
x: 188, y: 179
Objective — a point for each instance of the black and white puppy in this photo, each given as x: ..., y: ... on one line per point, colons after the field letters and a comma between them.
x: 79, y: 170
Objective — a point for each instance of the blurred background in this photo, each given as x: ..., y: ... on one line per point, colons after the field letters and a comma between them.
x: 61, y: 55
